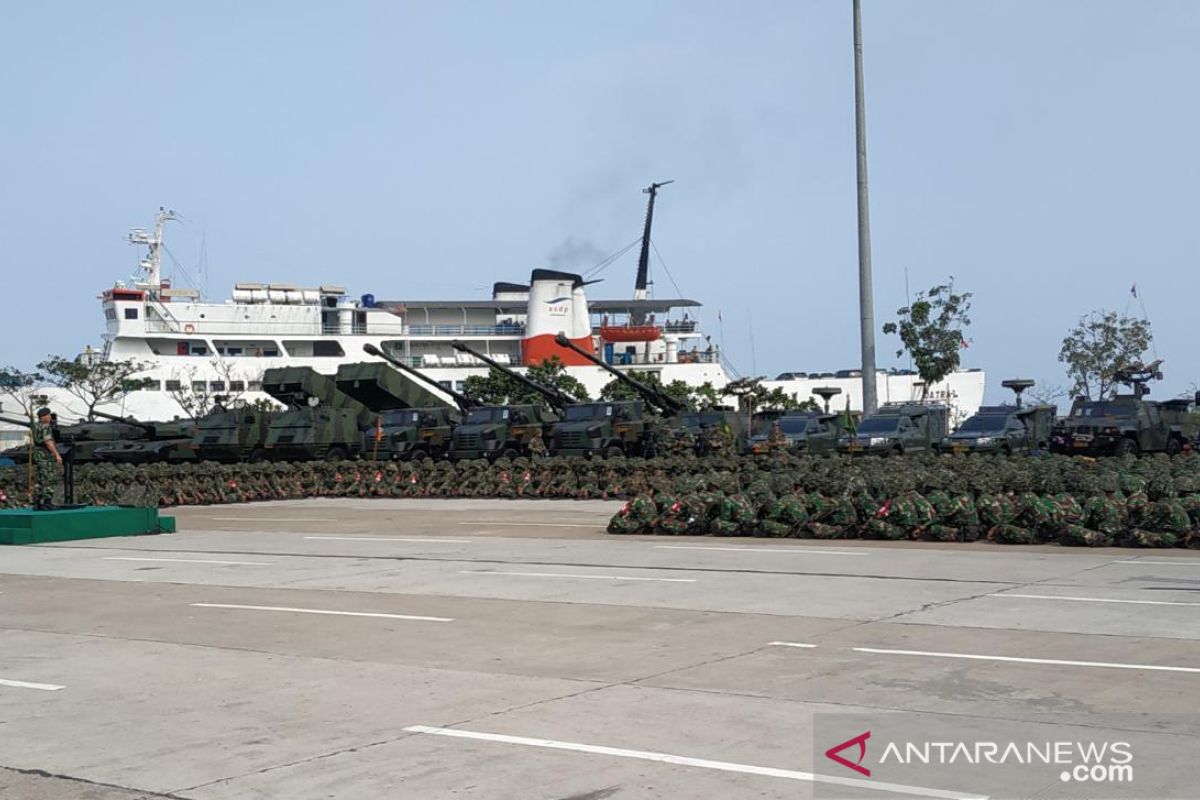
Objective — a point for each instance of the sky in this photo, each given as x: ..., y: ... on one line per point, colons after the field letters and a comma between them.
x: 1042, y: 154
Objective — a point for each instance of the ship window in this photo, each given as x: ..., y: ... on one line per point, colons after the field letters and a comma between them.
x: 131, y: 313
x: 152, y: 386
x: 444, y: 384
x: 199, y: 350
x: 217, y: 386
x: 110, y: 313
x: 272, y: 353
x: 174, y: 386
x: 237, y: 386
x: 197, y: 386
x: 256, y: 386
x: 327, y: 349
x: 460, y: 386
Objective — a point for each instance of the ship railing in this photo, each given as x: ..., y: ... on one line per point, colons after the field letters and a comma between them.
x: 512, y: 329
x: 710, y: 356
x: 670, y: 326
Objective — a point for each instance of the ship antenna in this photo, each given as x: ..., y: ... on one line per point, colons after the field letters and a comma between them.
x: 643, y: 273
x: 152, y: 263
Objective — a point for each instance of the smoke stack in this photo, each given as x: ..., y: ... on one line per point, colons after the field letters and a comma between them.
x: 557, y: 304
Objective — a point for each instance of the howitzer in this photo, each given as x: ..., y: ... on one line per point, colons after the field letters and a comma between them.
x: 463, y: 402
x: 67, y: 456
x: 661, y: 400
x: 148, y: 427
x: 557, y: 398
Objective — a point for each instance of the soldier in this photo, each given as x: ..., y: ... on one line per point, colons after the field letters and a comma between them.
x: 45, y: 457
x: 777, y: 440
x: 537, y: 445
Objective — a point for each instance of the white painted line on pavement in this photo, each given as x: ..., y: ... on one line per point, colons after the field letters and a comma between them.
x: 702, y: 763
x: 790, y: 644
x: 534, y: 524
x: 794, y: 550
x: 324, y: 611
x: 1180, y: 562
x: 1097, y: 599
x: 191, y: 561
x: 388, y: 539
x: 45, y: 687
x: 274, y: 519
x: 566, y: 575
x: 1109, y: 665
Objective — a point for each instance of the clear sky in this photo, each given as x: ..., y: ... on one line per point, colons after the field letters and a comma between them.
x: 1042, y: 152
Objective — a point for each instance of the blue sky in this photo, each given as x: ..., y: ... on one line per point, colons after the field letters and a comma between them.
x: 1042, y: 153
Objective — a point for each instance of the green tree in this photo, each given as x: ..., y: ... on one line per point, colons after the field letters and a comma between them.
x: 1100, y: 345
x: 499, y: 388
x: 24, y: 389
x: 931, y: 331
x: 95, y: 382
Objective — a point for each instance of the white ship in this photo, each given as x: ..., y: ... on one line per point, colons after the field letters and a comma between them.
x: 189, y: 344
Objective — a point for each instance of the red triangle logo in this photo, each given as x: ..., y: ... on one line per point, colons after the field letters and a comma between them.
x: 861, y: 741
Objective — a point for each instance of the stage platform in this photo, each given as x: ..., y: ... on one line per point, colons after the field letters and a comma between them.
x: 25, y: 526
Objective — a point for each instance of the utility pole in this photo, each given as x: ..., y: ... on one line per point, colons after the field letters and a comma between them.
x: 866, y: 295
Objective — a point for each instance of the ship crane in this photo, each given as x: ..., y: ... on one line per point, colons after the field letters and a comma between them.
x: 643, y: 273
x: 152, y: 263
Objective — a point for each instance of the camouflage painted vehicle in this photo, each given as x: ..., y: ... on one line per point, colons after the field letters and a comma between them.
x: 897, y: 429
x: 1127, y: 424
x: 410, y: 434
x: 811, y: 432
x: 1002, y: 429
x: 162, y: 441
x: 608, y: 429
x: 232, y: 435
x: 81, y: 439
x: 321, y: 422
x: 701, y: 424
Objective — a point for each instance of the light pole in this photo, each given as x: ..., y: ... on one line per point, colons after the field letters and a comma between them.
x: 866, y: 300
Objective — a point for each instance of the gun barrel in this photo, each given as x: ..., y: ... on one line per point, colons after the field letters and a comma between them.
x: 463, y: 402
x: 661, y: 399
x: 146, y: 426
x: 24, y: 423
x: 556, y: 397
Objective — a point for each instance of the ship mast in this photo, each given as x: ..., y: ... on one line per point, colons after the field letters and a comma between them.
x: 152, y: 263
x: 643, y: 273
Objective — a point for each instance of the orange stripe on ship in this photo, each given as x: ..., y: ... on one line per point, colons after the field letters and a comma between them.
x: 537, y: 349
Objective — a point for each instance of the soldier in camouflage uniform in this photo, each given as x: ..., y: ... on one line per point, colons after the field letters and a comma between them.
x: 46, y: 461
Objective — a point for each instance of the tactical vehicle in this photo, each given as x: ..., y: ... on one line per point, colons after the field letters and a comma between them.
x: 811, y: 432
x: 232, y: 435
x: 1126, y: 424
x: 411, y: 423
x: 162, y: 441
x: 701, y: 424
x: 321, y: 422
x: 613, y: 428
x: 896, y: 429
x: 1002, y: 429
x: 80, y: 440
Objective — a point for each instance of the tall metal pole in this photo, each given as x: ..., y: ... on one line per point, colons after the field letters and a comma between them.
x: 866, y: 295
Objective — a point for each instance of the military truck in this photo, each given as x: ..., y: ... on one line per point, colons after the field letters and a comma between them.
x: 811, y: 432
x: 411, y: 423
x: 701, y: 424
x: 320, y: 422
x: 1127, y: 424
x: 230, y: 435
x: 1004, y: 429
x: 616, y: 427
x: 162, y: 441
x: 896, y: 429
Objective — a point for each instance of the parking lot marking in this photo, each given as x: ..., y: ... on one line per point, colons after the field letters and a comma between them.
x: 790, y: 644
x: 324, y: 611
x: 1055, y: 661
x: 45, y: 687
x: 1097, y: 599
x: 388, y: 539
x: 191, y: 561
x: 1179, y: 562
x: 794, y: 550
x: 567, y: 575
x: 686, y: 761
x: 274, y: 519
x: 533, y: 524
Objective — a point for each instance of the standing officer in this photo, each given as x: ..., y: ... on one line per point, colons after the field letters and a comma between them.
x: 45, y: 476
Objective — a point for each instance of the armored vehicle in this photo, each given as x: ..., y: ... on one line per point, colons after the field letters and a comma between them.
x: 701, y: 424
x: 896, y: 429
x: 79, y: 441
x: 411, y: 423
x: 619, y: 427
x: 321, y: 421
x: 811, y: 432
x: 1002, y: 429
x: 161, y: 441
x: 1126, y: 424
x: 231, y: 435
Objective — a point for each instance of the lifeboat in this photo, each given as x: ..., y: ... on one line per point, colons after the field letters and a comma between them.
x: 630, y: 333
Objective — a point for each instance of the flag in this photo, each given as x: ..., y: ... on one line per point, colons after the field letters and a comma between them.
x: 378, y: 429
x: 848, y: 424
x: 1133, y: 290
x: 964, y: 343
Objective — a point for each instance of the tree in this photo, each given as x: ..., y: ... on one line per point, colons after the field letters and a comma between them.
x: 1102, y: 344
x: 197, y: 397
x: 931, y: 331
x: 95, y: 382
x: 24, y: 389
x: 499, y: 388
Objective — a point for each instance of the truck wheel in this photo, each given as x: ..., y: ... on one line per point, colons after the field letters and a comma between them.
x: 612, y: 451
x: 1126, y: 447
x: 510, y: 453
x: 1006, y: 450
x: 336, y: 453
x: 258, y: 455
x: 1174, y: 447
x: 895, y: 451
